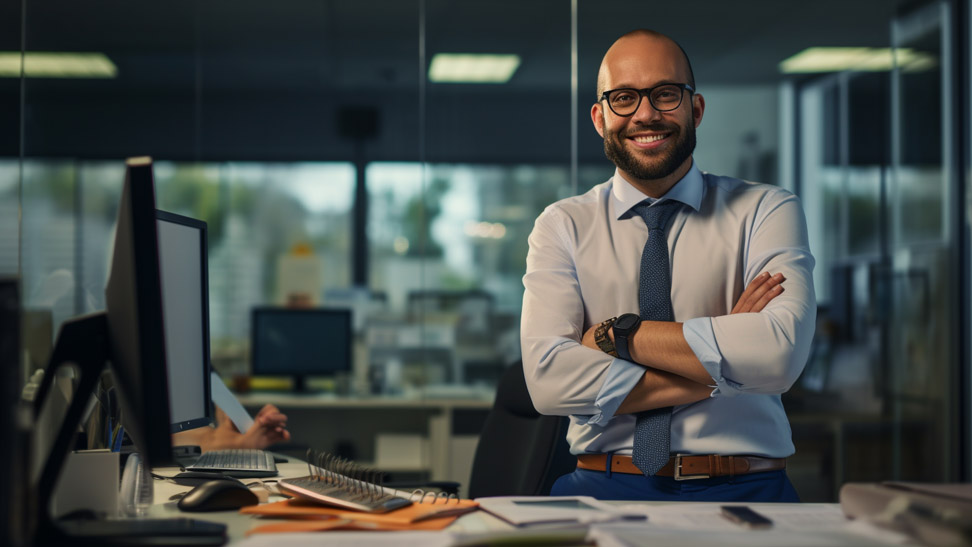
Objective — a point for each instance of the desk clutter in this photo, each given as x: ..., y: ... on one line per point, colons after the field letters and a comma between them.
x: 339, y: 494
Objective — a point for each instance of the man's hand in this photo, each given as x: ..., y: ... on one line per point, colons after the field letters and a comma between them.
x: 760, y: 291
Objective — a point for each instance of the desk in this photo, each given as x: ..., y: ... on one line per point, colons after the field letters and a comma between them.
x: 480, y: 522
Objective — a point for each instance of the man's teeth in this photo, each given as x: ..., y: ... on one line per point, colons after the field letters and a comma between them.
x: 645, y: 139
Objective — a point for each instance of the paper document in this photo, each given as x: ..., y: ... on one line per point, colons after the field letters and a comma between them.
x: 544, y: 510
x: 224, y: 399
x: 706, y: 516
x: 690, y: 524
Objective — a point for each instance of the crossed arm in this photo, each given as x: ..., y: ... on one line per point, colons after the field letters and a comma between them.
x: 673, y: 374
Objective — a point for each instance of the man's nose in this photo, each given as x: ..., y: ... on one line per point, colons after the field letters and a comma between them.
x: 645, y: 111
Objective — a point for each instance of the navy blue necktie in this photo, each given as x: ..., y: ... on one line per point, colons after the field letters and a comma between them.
x: 652, y: 427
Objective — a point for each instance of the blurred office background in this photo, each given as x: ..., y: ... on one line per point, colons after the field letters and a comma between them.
x: 317, y: 131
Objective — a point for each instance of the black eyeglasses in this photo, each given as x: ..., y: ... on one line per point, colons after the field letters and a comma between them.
x: 663, y: 98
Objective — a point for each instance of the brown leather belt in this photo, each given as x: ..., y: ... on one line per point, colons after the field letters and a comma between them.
x: 686, y: 467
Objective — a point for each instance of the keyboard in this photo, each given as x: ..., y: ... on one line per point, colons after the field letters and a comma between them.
x: 242, y: 462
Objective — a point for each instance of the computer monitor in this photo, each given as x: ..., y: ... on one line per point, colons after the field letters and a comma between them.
x: 130, y: 335
x: 185, y: 301
x: 300, y: 342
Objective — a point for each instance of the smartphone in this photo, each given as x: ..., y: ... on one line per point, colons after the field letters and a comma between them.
x: 744, y: 516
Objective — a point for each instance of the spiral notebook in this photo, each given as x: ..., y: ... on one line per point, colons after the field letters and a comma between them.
x: 338, y: 489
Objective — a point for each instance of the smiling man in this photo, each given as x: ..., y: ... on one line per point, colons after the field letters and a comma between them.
x: 654, y: 313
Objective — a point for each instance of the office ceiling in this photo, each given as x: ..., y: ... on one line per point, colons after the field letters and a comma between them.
x: 256, y: 80
x: 253, y: 46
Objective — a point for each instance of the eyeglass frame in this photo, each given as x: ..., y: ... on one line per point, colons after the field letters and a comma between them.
x: 646, y: 92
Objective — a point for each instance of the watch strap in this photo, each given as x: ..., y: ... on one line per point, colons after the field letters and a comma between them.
x: 602, y: 339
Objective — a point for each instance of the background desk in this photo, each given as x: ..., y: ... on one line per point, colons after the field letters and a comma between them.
x: 349, y: 426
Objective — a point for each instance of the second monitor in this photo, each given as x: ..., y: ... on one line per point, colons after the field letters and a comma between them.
x: 301, y: 342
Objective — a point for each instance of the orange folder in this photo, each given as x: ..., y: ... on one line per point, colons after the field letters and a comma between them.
x: 307, y: 516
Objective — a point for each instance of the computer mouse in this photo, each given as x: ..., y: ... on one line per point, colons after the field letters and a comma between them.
x: 193, y: 478
x: 218, y: 495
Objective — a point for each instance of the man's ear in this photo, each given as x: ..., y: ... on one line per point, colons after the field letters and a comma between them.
x: 698, y: 108
x: 597, y: 117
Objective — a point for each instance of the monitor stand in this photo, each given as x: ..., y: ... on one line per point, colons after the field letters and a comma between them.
x: 83, y: 341
x: 300, y: 385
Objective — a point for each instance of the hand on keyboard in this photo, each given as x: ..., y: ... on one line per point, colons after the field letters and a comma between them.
x: 269, y: 427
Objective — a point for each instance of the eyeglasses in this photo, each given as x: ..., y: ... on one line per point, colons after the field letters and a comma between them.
x: 663, y: 98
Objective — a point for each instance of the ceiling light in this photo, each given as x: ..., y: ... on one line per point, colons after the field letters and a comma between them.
x: 473, y: 68
x: 38, y: 64
x: 864, y: 59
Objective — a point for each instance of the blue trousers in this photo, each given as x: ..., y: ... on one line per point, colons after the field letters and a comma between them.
x: 771, y: 486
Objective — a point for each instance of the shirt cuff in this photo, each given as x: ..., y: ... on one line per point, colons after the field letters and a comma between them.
x: 621, y: 378
x: 701, y: 338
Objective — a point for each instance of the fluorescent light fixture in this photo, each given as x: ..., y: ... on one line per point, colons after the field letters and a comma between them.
x: 864, y: 59
x: 473, y: 68
x: 49, y: 64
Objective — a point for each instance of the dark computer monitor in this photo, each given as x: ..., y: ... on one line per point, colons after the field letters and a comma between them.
x: 130, y: 336
x: 300, y: 342
x: 185, y: 301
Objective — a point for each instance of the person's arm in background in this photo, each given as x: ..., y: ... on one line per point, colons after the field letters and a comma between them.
x: 269, y: 427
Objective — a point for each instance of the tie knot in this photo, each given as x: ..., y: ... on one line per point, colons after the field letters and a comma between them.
x: 656, y: 216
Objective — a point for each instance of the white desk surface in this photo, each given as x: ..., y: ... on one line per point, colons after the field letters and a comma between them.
x: 481, y: 522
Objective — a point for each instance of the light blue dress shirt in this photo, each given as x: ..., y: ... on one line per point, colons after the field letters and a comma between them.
x: 583, y: 267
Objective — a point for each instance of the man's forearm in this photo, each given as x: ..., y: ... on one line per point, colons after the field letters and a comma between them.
x: 658, y: 389
x: 661, y: 345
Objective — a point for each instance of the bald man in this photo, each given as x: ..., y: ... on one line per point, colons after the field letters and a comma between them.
x: 669, y: 367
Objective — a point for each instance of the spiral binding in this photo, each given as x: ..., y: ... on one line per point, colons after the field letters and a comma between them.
x: 436, y: 496
x: 363, y: 483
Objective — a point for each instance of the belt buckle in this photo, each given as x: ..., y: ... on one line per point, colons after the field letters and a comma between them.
x: 678, y: 471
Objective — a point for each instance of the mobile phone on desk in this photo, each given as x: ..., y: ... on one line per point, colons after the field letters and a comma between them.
x: 744, y: 516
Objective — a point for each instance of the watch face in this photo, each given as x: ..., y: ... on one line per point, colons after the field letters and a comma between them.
x: 627, y: 321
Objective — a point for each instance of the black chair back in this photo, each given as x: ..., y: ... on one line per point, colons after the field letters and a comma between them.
x: 520, y: 451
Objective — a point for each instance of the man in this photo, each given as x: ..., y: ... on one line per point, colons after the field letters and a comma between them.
x: 701, y: 362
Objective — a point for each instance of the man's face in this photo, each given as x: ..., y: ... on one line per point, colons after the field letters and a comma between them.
x: 648, y: 145
x: 630, y: 145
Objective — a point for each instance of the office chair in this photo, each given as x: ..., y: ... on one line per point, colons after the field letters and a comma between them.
x: 520, y: 451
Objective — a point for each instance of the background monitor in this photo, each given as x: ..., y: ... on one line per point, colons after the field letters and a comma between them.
x: 300, y: 342
x: 185, y: 302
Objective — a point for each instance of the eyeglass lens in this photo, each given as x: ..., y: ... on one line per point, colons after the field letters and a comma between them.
x: 663, y: 98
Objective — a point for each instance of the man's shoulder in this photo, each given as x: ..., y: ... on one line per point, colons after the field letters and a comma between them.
x: 731, y: 189
x: 581, y: 205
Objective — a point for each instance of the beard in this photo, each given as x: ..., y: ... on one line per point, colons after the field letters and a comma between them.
x: 651, y: 166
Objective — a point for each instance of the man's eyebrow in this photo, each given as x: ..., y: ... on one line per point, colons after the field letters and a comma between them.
x: 656, y: 84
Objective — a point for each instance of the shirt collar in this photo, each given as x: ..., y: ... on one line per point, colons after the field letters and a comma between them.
x: 688, y: 190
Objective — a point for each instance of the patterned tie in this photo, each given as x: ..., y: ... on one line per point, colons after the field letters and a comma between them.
x: 651, y: 438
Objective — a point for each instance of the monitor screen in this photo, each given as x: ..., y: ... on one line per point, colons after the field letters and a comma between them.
x: 301, y: 342
x: 134, y: 311
x: 185, y: 303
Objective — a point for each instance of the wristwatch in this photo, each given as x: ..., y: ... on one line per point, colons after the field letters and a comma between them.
x: 602, y: 340
x: 624, y: 328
